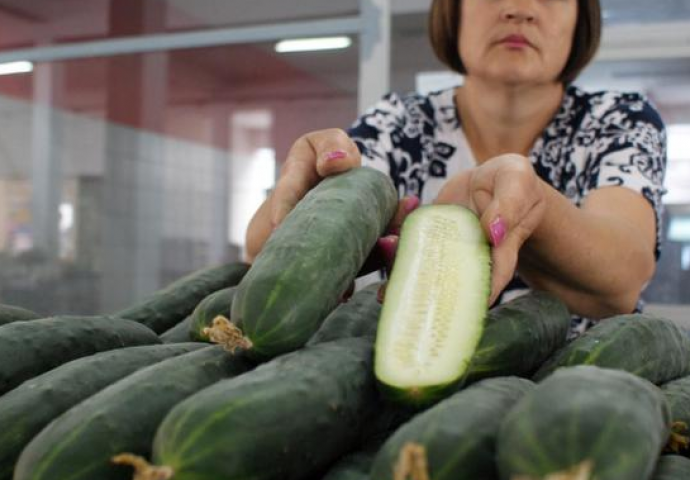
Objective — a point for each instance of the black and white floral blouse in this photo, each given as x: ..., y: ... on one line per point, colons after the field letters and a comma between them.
x: 595, y: 140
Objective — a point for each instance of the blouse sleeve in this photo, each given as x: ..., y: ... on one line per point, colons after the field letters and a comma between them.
x: 630, y: 151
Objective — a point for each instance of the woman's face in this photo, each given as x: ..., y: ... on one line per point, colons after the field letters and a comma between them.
x: 516, y: 41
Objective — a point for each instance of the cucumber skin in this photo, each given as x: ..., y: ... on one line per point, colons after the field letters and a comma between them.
x: 286, y: 420
x: 655, y: 349
x: 311, y: 259
x: 519, y: 336
x: 11, y: 313
x: 423, y: 396
x: 179, y: 333
x: 459, y: 433
x: 677, y: 394
x: 356, y: 318
x: 569, y: 416
x: 165, y: 308
x: 121, y: 418
x: 28, y: 408
x: 672, y: 467
x: 218, y: 303
x: 30, y: 348
x: 352, y: 467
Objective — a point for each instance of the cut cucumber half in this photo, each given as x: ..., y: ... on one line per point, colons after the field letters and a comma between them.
x: 435, y: 306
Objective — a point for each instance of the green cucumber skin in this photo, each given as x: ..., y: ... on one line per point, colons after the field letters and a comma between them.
x: 311, y: 259
x: 653, y: 348
x: 165, y: 308
x: 356, y: 318
x: 121, y: 418
x: 672, y: 467
x: 10, y: 314
x: 519, y: 336
x: 613, y: 418
x: 30, y: 348
x: 459, y: 433
x: 355, y: 466
x: 286, y: 420
x: 677, y: 393
x: 28, y: 408
x: 179, y: 333
x: 218, y: 303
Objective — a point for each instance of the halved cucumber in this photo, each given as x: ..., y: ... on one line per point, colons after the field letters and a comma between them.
x: 435, y: 306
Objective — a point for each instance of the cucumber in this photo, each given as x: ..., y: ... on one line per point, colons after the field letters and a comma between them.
x: 355, y: 466
x: 165, y: 308
x: 30, y: 348
x: 218, y: 303
x: 358, y: 317
x: 10, y: 313
x: 179, y: 333
x: 79, y: 444
x: 435, y: 305
x: 28, y: 408
x: 652, y: 348
x: 519, y: 336
x: 458, y: 435
x: 286, y: 420
x: 589, y: 421
x: 311, y: 259
x: 672, y: 467
x: 677, y: 395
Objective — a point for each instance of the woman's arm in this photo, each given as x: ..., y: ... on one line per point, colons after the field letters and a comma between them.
x: 596, y: 258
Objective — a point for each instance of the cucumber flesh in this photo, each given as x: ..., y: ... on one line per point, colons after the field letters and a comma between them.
x: 436, y: 301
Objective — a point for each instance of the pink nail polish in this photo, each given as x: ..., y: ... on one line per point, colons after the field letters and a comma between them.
x: 411, y: 203
x: 497, y: 231
x: 336, y: 155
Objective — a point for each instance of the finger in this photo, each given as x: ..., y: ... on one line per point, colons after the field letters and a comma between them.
x: 335, y: 152
x: 406, y: 206
x: 297, y: 177
x: 503, y: 265
x: 456, y: 190
x: 388, y: 246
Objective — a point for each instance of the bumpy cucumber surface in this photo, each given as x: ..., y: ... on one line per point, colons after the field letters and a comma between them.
x: 458, y: 435
x: 652, y: 348
x: 218, y: 303
x: 10, y: 313
x: 677, y: 393
x: 166, y: 308
x: 519, y: 336
x: 123, y: 417
x: 589, y: 421
x: 286, y: 420
x: 179, y: 333
x: 28, y: 408
x: 311, y: 259
x: 672, y: 467
x: 358, y: 317
x: 435, y: 305
x: 30, y: 348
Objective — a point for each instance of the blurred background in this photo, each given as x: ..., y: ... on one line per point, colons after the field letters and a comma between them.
x: 138, y: 137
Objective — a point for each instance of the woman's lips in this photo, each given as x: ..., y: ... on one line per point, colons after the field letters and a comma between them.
x: 515, y: 41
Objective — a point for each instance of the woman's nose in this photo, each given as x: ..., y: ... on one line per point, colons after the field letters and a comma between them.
x: 518, y: 13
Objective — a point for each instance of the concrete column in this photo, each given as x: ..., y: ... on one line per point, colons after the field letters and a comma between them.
x: 375, y: 52
x: 220, y: 194
x: 133, y: 184
x: 46, y: 172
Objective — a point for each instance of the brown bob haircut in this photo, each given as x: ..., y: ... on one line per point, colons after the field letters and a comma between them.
x: 444, y: 25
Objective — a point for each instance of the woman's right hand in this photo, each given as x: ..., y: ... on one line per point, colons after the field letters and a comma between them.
x: 311, y: 158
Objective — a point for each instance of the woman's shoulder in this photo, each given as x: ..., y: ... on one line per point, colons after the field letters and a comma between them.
x: 612, y: 105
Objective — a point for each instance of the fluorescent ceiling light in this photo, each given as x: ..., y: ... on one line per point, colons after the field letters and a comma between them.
x: 11, y: 68
x: 312, y: 44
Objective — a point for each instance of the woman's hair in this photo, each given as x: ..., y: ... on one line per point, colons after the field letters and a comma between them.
x: 444, y: 26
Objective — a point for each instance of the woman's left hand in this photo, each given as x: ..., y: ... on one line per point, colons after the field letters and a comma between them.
x: 509, y: 198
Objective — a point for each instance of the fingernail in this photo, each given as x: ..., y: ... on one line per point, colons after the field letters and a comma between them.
x: 497, y: 231
x: 410, y: 203
x: 336, y: 155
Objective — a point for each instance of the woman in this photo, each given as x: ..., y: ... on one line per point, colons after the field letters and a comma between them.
x: 567, y: 184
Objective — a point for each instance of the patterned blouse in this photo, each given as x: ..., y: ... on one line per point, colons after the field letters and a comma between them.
x: 595, y: 140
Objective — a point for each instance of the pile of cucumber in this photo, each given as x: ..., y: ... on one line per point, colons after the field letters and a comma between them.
x: 267, y: 373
